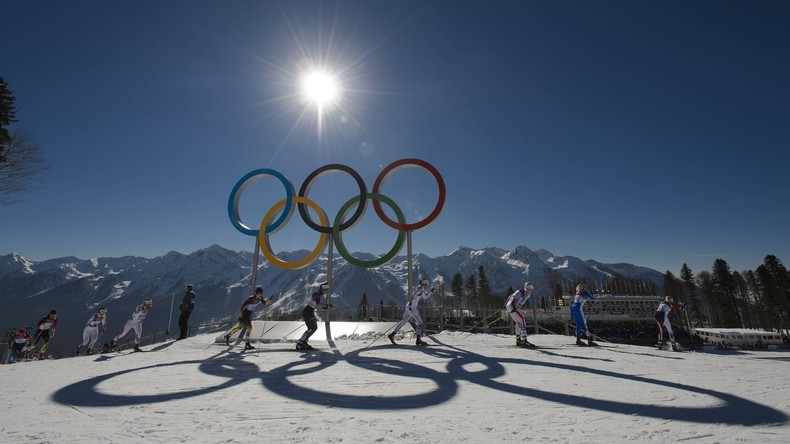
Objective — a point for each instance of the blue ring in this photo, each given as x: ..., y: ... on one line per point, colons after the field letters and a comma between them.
x: 235, y: 196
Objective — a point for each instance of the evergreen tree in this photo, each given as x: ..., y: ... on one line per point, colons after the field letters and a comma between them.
x: 761, y: 315
x: 743, y: 300
x: 672, y: 286
x: 472, y: 296
x: 782, y: 279
x: 705, y: 284
x: 457, y: 289
x: 775, y: 283
x: 484, y: 289
x: 724, y: 291
x: 362, y: 312
x: 7, y: 116
x: 691, y: 295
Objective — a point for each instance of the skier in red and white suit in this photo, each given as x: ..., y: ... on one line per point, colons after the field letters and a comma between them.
x: 514, y: 303
x: 662, y: 320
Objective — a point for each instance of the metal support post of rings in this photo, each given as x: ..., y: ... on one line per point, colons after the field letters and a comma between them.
x: 285, y: 209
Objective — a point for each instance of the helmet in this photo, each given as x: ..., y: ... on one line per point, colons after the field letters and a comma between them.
x: 148, y: 302
x: 102, y: 310
x: 52, y: 312
x: 189, y: 286
x: 259, y: 290
x: 324, y: 288
x: 528, y: 286
x: 425, y: 283
x: 668, y: 299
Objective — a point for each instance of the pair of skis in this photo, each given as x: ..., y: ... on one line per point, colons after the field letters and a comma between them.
x: 596, y: 345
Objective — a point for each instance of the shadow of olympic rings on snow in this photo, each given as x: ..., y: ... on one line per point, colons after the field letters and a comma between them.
x: 730, y: 409
x: 86, y: 393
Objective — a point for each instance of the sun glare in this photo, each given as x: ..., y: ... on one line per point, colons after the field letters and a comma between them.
x: 320, y: 88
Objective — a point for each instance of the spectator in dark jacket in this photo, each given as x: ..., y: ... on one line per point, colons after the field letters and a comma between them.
x: 186, y: 307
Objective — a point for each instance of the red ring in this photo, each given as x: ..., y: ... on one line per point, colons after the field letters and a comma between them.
x: 391, y: 168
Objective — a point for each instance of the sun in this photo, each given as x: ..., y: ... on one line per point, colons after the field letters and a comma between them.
x: 320, y: 88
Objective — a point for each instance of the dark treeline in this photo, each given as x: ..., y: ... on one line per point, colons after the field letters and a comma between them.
x: 723, y: 298
x: 720, y: 297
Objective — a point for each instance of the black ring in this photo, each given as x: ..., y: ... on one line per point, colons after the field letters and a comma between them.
x: 308, y: 183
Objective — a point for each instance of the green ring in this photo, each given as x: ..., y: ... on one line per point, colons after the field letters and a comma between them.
x: 337, y: 236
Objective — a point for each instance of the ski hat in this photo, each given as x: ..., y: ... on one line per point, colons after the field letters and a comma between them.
x: 52, y: 312
x: 324, y: 287
x: 148, y: 302
x: 528, y: 286
x: 189, y: 286
x: 21, y: 331
x: 425, y: 283
x: 102, y: 310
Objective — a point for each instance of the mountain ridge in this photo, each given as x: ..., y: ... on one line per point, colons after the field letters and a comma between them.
x: 76, y: 287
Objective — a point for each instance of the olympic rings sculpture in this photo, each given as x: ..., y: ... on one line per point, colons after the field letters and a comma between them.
x: 271, y: 223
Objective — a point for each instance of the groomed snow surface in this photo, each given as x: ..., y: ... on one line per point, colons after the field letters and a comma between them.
x: 463, y: 388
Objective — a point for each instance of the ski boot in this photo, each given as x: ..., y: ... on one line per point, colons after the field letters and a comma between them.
x: 137, y: 348
x: 248, y: 346
x: 420, y: 341
x: 676, y: 347
x: 660, y: 345
x: 113, y: 345
x: 590, y: 341
x: 391, y: 337
x: 518, y: 341
x: 525, y: 343
x: 89, y: 352
x: 303, y: 346
x: 579, y: 341
x: 227, y: 339
x: 77, y: 352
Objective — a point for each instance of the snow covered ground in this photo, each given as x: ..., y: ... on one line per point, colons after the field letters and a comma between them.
x: 465, y: 388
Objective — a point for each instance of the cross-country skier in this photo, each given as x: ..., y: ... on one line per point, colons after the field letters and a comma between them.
x: 245, y: 317
x: 45, y: 331
x: 134, y: 324
x: 514, y: 303
x: 662, y: 321
x: 91, y: 331
x: 308, y: 314
x: 18, y: 345
x: 411, y: 311
x: 582, y: 296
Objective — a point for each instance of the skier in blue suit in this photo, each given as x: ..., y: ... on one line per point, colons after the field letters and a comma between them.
x: 582, y: 296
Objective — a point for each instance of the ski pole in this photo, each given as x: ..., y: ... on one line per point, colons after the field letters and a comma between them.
x: 688, y: 322
x: 481, y: 321
x: 267, y: 331
x: 484, y: 327
x: 379, y: 336
x: 297, y: 328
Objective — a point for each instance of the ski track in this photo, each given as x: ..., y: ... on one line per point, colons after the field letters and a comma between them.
x: 472, y: 390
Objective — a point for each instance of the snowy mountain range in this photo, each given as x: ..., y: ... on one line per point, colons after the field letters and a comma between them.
x: 76, y: 288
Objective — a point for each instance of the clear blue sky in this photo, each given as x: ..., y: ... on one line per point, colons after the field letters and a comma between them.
x: 654, y: 133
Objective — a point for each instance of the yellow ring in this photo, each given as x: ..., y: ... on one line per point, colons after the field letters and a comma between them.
x: 263, y: 236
